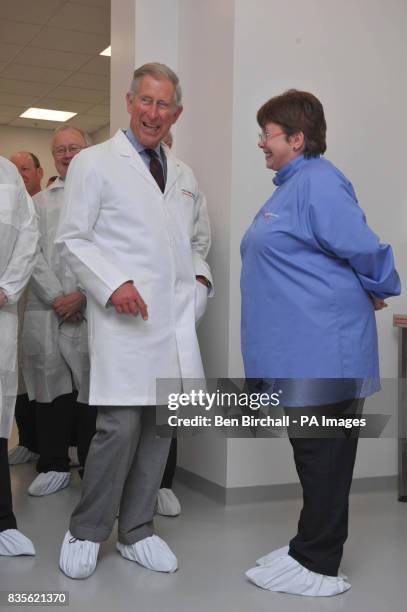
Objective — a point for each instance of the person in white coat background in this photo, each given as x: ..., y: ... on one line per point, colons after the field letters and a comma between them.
x: 18, y: 248
x: 32, y: 173
x: 126, y: 232
x: 55, y: 356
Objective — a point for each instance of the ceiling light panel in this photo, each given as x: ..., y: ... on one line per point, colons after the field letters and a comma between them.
x: 45, y: 114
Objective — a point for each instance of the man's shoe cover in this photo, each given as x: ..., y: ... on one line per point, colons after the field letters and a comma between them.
x: 282, y: 573
x: 21, y: 454
x: 78, y: 558
x: 167, y: 503
x: 14, y: 543
x: 271, y: 556
x: 152, y: 553
x: 49, y: 482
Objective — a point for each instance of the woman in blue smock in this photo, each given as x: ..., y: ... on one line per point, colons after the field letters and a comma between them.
x: 313, y: 273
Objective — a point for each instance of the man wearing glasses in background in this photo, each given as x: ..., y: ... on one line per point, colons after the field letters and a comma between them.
x: 55, y: 336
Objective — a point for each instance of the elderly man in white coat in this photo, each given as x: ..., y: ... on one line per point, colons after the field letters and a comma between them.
x: 127, y: 231
x: 55, y: 354
x: 18, y: 247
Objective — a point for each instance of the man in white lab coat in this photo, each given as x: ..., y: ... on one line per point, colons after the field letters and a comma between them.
x: 128, y: 231
x: 32, y: 173
x: 55, y: 351
x: 18, y: 247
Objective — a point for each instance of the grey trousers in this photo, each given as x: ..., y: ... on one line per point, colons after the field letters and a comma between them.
x: 123, y: 471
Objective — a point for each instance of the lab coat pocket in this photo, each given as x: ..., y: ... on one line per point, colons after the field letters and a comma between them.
x: 201, y: 299
x: 8, y: 333
x: 40, y: 333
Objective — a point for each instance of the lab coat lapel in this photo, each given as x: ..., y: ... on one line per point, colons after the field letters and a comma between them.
x: 126, y: 150
x: 172, y: 169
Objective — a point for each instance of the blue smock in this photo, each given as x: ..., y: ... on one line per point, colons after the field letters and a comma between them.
x: 310, y: 265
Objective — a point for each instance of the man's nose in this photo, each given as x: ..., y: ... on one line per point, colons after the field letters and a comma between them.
x: 153, y: 111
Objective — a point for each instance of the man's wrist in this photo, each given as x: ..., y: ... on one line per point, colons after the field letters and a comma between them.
x: 202, y: 279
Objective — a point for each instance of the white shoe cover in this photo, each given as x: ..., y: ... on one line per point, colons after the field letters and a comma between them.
x: 271, y: 556
x: 152, y: 553
x: 49, y: 482
x: 14, y: 543
x: 21, y: 454
x: 281, y: 551
x: 167, y: 503
x: 284, y: 574
x: 78, y: 558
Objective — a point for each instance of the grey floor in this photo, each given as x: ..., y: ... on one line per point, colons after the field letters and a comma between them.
x: 214, y: 546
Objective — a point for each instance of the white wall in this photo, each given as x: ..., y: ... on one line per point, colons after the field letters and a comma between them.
x: 156, y: 38
x: 204, y: 140
x: 13, y: 139
x: 122, y: 26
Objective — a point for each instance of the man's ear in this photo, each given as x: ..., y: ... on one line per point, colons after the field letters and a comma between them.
x: 177, y: 113
x: 129, y: 102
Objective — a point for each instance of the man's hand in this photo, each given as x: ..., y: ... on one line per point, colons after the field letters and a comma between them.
x: 203, y: 280
x: 379, y: 304
x: 3, y: 298
x: 127, y: 300
x: 67, y: 305
x: 76, y: 318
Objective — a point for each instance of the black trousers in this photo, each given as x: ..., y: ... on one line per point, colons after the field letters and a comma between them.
x: 325, y: 469
x: 7, y: 518
x: 26, y: 423
x: 168, y: 476
x: 55, y: 423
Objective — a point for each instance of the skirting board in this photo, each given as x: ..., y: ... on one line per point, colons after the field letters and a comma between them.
x: 244, y: 495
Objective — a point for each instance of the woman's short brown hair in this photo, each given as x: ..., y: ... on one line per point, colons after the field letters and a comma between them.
x: 297, y: 111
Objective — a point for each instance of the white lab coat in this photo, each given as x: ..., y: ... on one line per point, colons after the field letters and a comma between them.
x: 117, y: 226
x: 18, y: 247
x: 54, y: 353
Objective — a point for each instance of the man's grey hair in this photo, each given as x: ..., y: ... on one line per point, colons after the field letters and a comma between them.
x: 157, y: 71
x: 84, y: 135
